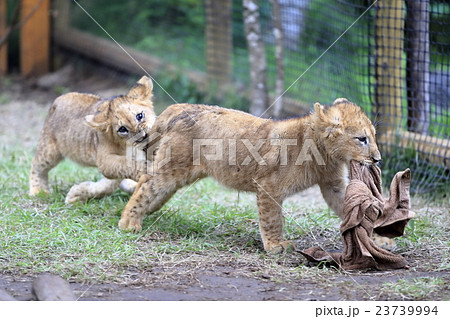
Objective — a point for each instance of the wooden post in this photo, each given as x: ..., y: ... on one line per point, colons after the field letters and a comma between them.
x: 219, y: 44
x: 4, y: 47
x: 418, y: 65
x: 389, y: 77
x: 35, y: 37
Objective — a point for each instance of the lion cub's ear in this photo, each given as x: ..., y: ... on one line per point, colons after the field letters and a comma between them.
x: 318, y: 109
x: 341, y: 100
x: 142, y: 90
x: 99, y: 121
x: 330, y: 121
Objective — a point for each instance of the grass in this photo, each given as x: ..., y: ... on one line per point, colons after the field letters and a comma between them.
x: 416, y: 288
x: 43, y: 234
x: 203, y: 224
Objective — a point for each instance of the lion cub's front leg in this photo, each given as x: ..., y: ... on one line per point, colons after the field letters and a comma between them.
x: 271, y: 223
x: 113, y: 166
x: 151, y: 193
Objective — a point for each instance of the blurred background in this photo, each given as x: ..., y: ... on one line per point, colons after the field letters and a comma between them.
x: 273, y: 58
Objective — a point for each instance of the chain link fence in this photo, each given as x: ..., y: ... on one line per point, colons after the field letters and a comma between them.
x: 392, y: 57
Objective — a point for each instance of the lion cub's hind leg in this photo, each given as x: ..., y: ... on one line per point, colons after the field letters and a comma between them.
x: 47, y: 156
x: 87, y: 190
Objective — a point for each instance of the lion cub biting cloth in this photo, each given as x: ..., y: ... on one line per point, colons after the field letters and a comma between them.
x: 275, y: 159
x: 93, y: 131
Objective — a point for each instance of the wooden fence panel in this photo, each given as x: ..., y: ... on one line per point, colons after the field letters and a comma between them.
x: 35, y: 38
x: 389, y: 33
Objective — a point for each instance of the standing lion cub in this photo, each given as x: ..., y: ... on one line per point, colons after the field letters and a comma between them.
x: 93, y: 131
x: 275, y: 159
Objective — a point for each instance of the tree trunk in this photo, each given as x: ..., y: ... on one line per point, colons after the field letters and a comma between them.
x: 257, y: 58
x: 219, y: 43
x: 418, y: 65
x: 61, y: 12
x: 3, y: 47
x: 278, y: 35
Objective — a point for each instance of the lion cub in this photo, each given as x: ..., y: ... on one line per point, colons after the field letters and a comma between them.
x: 272, y: 158
x: 93, y: 131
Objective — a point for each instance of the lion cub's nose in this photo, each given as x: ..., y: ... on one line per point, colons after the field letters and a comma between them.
x: 376, y: 159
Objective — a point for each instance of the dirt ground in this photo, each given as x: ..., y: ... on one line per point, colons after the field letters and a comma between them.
x: 221, y: 284
x: 25, y: 105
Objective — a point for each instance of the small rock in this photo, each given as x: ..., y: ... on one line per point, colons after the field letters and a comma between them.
x: 52, y: 288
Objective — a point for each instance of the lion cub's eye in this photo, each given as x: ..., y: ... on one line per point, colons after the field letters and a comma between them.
x: 140, y: 117
x: 362, y: 139
x: 122, y: 130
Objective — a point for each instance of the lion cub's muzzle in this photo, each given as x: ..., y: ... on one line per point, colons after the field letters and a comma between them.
x: 375, y: 157
x: 141, y: 134
x: 375, y: 160
x: 142, y: 138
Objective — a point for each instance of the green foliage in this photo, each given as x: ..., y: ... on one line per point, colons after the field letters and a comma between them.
x: 131, y: 21
x: 439, y: 122
x: 186, y: 52
x: 59, y: 89
x: 180, y: 88
x: 183, y: 90
x: 439, y: 39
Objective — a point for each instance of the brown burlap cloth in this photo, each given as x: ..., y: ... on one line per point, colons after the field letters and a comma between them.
x: 365, y: 211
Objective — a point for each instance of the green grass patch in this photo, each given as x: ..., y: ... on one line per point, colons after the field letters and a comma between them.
x: 43, y: 234
x: 82, y: 241
x: 422, y: 288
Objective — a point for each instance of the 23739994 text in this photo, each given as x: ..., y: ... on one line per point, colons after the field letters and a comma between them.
x: 386, y: 310
x: 406, y: 310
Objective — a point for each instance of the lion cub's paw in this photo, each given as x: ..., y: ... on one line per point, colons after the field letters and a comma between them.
x: 281, y: 247
x: 79, y: 193
x: 128, y: 186
x: 384, y: 242
x: 38, y: 190
x: 130, y: 224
